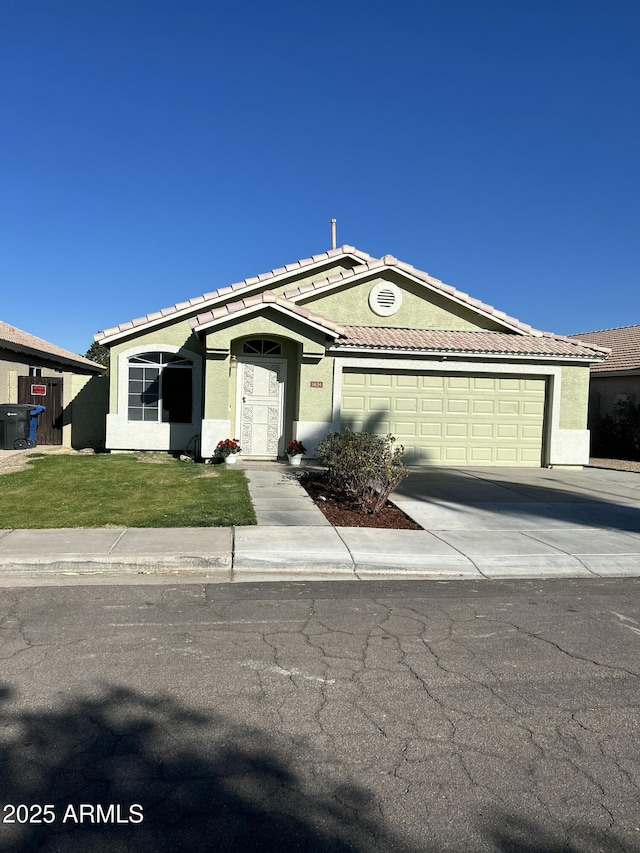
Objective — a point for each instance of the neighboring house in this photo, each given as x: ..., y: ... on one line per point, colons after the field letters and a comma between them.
x: 35, y: 371
x: 618, y: 378
x: 344, y: 339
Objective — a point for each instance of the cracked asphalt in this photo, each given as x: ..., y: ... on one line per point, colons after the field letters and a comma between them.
x: 330, y: 716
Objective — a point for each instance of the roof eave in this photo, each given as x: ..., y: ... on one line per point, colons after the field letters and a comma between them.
x: 445, y: 354
x: 52, y: 357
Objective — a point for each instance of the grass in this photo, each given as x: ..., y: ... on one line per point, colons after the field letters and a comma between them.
x: 142, y: 490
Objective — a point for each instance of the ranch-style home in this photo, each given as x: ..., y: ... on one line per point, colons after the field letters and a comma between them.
x: 343, y: 339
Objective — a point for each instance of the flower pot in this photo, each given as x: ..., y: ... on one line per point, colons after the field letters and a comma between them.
x: 295, y: 460
x: 231, y: 459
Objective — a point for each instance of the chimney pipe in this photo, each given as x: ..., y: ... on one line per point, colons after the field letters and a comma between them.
x: 333, y: 234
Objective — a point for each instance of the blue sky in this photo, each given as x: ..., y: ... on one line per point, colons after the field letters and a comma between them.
x: 153, y: 150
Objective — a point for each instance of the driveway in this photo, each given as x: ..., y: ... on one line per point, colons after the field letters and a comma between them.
x: 510, y: 498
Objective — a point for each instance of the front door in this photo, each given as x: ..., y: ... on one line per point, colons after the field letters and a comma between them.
x: 260, y: 405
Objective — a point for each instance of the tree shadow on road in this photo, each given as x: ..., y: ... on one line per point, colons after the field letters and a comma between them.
x: 203, y: 782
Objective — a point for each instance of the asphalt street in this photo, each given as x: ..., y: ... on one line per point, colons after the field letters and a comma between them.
x: 331, y: 716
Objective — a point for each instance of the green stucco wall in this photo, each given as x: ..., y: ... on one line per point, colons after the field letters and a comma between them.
x: 420, y: 309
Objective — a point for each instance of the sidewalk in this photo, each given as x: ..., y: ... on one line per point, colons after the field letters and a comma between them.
x: 486, y: 523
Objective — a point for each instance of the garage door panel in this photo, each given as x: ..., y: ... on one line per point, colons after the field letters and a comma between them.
x: 482, y: 431
x: 456, y: 430
x: 457, y: 407
x: 379, y: 404
x: 531, y: 433
x: 508, y: 408
x: 406, y: 404
x: 444, y: 419
x: 431, y: 430
x: 483, y: 407
x: 353, y: 404
x: 381, y: 380
x: 507, y: 432
x: 432, y: 405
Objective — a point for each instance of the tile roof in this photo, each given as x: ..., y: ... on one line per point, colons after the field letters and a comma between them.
x: 251, y: 304
x: 450, y: 341
x: 239, y: 287
x: 624, y: 343
x: 390, y: 262
x: 15, y: 339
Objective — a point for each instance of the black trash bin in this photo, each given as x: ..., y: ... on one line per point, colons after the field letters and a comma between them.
x: 15, y: 425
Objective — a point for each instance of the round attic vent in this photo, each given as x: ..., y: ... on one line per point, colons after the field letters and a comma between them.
x: 385, y: 299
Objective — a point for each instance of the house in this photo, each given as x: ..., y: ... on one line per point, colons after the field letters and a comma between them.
x: 618, y: 378
x: 345, y: 339
x: 34, y: 371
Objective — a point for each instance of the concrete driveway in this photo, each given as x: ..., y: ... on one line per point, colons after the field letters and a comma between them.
x: 510, y: 498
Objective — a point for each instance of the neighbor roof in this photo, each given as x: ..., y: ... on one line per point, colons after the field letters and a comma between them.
x: 624, y: 343
x: 450, y: 341
x: 16, y: 340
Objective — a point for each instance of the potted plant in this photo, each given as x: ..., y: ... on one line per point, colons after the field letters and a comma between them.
x: 295, y: 449
x: 228, y: 449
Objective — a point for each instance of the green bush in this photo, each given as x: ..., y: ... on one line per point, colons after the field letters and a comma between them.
x: 365, y: 465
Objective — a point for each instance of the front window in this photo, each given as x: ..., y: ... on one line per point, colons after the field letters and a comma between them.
x: 160, y: 388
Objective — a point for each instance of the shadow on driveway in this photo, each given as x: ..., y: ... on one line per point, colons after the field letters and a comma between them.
x: 521, y: 498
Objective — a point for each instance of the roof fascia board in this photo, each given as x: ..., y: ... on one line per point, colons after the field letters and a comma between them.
x: 228, y: 293
x: 423, y: 282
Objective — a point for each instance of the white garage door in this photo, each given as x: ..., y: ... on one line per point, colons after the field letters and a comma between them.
x: 449, y: 419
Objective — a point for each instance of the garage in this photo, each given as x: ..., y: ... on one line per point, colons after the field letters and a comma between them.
x: 448, y: 418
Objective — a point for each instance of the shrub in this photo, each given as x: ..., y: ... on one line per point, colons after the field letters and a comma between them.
x: 618, y: 435
x: 365, y: 465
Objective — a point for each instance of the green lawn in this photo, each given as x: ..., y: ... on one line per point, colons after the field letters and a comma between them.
x: 141, y: 490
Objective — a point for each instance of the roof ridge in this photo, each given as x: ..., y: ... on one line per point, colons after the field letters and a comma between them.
x: 129, y: 325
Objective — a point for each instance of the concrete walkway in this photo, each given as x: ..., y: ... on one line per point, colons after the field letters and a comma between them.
x: 478, y: 523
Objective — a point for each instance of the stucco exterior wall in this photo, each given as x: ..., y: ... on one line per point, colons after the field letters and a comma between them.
x: 420, y: 308
x: 123, y: 434
x: 88, y: 405
x: 574, y: 397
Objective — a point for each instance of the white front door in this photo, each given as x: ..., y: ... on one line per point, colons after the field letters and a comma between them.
x: 260, y: 405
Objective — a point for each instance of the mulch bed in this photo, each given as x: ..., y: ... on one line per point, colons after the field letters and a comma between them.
x: 339, y: 509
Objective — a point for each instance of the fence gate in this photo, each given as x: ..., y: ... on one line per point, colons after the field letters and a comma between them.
x: 44, y: 391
